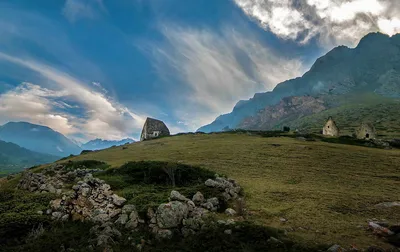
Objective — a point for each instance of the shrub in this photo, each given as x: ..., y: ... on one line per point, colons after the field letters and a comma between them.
x: 161, y: 173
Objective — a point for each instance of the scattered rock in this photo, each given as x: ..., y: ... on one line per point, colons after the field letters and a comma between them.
x: 198, y: 198
x: 336, y: 248
x: 175, y: 195
x: 164, y: 234
x: 122, y: 219
x: 228, y: 231
x: 229, y: 188
x: 388, y: 204
x: 230, y: 212
x: 119, y: 201
x: 379, y: 230
x: 171, y: 214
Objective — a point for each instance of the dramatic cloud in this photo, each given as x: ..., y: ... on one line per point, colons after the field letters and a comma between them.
x: 217, y: 70
x: 80, y: 9
x: 331, y: 21
x: 102, y: 117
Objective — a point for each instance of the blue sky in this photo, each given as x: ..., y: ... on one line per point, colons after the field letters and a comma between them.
x: 98, y: 68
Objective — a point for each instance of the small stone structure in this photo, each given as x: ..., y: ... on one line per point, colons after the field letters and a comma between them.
x: 153, y: 128
x: 366, y: 131
x: 330, y: 128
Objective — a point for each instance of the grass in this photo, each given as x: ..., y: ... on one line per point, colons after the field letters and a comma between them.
x: 148, y: 184
x: 327, y: 191
x: 354, y: 110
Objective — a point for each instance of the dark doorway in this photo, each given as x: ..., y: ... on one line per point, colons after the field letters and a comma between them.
x: 367, y: 135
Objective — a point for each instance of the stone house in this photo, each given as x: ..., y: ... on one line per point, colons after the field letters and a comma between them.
x: 330, y: 128
x: 366, y: 131
x: 153, y: 128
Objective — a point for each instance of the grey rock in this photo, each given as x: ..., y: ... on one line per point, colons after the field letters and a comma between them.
x: 170, y: 215
x: 230, y: 212
x: 164, y: 234
x: 187, y: 232
x: 101, y: 218
x: 214, y: 201
x: 207, y: 206
x: 127, y: 209
x: 228, y: 231
x: 56, y: 215
x: 117, y: 200
x: 122, y: 219
x: 336, y: 248
x: 198, y: 198
x: 132, y: 224
x: 175, y: 195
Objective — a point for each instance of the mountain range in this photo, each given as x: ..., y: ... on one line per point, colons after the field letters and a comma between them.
x: 14, y: 158
x: 99, y: 144
x: 341, y: 79
x: 38, y: 138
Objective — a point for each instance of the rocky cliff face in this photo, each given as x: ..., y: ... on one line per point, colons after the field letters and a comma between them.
x: 373, y: 66
x: 288, y: 109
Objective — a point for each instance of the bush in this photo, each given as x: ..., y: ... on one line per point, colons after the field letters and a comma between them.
x: 88, y: 164
x: 286, y: 129
x: 160, y: 173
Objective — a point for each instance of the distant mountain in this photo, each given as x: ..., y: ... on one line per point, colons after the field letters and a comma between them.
x: 38, y: 138
x: 99, y: 144
x: 14, y: 158
x: 372, y: 67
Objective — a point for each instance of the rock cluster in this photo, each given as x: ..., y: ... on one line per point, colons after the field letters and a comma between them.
x: 92, y: 199
x: 185, y: 215
x: 38, y: 182
x: 230, y: 188
x: 58, y: 174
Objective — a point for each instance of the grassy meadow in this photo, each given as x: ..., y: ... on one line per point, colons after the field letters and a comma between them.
x: 326, y: 191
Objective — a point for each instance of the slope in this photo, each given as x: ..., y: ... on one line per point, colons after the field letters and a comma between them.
x: 326, y: 191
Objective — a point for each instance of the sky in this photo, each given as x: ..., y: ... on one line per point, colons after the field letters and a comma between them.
x: 97, y: 68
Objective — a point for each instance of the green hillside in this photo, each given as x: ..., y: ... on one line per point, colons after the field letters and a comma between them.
x: 13, y: 158
x: 352, y: 111
x: 326, y: 191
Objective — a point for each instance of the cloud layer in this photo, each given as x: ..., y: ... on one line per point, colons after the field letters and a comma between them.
x: 332, y: 22
x: 216, y: 69
x: 102, y: 117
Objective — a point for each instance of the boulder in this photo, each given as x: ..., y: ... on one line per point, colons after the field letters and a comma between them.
x: 175, y: 195
x: 170, y: 215
x: 122, y: 219
x: 198, y: 198
x: 230, y: 212
x: 127, y: 209
x: 164, y: 234
x: 117, y: 200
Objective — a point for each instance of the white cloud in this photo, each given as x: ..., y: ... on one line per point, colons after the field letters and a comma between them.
x: 80, y: 9
x: 331, y: 21
x: 217, y: 70
x: 103, y: 117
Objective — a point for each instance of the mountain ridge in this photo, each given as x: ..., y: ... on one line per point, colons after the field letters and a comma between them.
x: 14, y: 158
x: 98, y: 144
x: 38, y: 138
x: 341, y: 71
